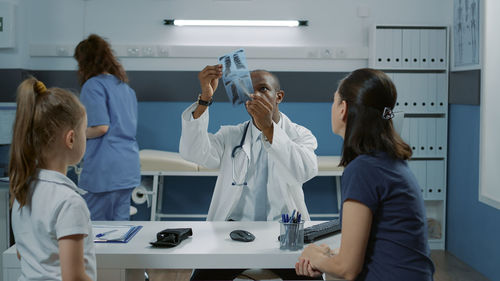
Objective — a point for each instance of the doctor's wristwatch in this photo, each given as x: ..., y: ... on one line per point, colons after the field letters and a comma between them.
x: 203, y: 102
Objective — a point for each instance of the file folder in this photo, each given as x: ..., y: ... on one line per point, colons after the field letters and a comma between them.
x: 414, y: 92
x: 411, y: 48
x: 441, y: 133
x: 435, y: 180
x: 420, y: 80
x: 405, y: 133
x: 418, y: 167
x: 422, y: 137
x: 431, y: 137
x: 442, y: 93
x: 425, y: 45
x: 114, y: 233
x: 431, y: 99
x: 404, y: 91
x: 396, y: 47
x: 441, y: 48
x: 380, y: 48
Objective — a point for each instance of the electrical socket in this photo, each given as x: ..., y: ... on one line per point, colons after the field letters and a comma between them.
x: 162, y: 51
x: 326, y: 53
x: 148, y: 51
x: 312, y: 54
x: 133, y: 51
x: 62, y: 51
x: 341, y: 53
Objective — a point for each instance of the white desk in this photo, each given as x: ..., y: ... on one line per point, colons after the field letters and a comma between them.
x: 209, y: 247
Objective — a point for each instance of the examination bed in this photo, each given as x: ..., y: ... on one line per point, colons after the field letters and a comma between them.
x: 157, y: 163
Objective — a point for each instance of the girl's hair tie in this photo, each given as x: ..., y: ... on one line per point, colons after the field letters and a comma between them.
x: 40, y: 88
x: 387, y: 114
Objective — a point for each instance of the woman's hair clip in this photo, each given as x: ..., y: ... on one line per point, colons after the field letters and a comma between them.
x: 387, y: 114
x: 40, y: 88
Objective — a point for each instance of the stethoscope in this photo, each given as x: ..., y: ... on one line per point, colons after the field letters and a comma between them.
x: 233, y: 154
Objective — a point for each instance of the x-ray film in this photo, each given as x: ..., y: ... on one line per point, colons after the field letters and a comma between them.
x: 236, y: 77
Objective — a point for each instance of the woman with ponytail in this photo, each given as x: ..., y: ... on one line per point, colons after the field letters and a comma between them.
x: 384, y: 231
x: 50, y: 220
x: 111, y: 168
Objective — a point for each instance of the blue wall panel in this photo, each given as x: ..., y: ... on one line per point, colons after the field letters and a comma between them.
x: 473, y: 228
x: 159, y: 124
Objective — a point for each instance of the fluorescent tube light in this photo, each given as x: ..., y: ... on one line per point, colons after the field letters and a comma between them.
x: 271, y: 23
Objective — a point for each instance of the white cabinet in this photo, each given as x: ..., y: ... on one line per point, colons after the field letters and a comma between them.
x: 416, y: 59
x: 4, y: 219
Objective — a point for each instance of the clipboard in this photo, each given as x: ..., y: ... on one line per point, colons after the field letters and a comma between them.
x: 114, y: 233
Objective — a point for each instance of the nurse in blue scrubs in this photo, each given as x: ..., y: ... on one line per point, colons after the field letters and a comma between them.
x: 111, y: 168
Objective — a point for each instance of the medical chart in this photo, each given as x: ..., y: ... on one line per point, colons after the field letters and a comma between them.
x: 236, y: 77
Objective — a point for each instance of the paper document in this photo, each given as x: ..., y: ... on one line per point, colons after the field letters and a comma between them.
x: 236, y: 77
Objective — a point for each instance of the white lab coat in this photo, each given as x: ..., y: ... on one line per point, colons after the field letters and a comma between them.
x: 291, y: 162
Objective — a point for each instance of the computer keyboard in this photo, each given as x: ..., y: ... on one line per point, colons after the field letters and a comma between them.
x: 322, y: 230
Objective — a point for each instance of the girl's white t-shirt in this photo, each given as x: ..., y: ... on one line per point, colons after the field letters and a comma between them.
x: 55, y: 210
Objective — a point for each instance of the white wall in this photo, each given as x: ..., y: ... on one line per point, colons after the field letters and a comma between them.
x: 15, y: 57
x: 489, y: 189
x: 333, y: 24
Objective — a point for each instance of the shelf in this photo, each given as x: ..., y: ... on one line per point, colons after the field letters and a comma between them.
x: 415, y: 57
x: 436, y: 244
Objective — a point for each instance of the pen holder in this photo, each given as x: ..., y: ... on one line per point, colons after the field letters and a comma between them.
x: 291, y: 235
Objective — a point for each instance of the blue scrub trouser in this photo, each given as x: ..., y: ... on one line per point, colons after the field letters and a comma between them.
x: 109, y: 206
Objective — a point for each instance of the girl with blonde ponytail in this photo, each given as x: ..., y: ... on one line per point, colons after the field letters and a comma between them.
x: 50, y: 220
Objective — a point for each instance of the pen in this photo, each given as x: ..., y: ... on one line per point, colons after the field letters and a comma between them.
x: 99, y: 235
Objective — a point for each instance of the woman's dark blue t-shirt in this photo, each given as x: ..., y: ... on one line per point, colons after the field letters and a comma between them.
x: 397, y: 248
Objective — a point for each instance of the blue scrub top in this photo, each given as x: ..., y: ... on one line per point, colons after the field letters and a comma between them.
x: 397, y: 247
x: 111, y: 162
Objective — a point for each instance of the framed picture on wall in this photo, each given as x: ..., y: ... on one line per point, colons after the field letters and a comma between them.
x: 466, y: 49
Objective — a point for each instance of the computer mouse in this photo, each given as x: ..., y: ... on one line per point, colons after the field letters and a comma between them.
x: 242, y: 235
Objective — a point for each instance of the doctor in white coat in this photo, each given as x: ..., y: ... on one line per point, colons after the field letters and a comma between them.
x: 262, y: 162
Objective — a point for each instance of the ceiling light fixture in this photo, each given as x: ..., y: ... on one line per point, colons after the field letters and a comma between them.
x: 253, y: 23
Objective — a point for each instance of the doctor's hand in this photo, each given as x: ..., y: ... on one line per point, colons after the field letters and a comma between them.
x: 261, y: 110
x: 209, y: 79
